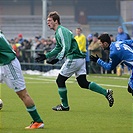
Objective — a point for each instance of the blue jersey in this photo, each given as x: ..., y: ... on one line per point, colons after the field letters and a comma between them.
x: 120, y: 51
x: 122, y: 36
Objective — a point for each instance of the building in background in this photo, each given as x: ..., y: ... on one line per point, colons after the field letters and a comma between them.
x: 83, y: 12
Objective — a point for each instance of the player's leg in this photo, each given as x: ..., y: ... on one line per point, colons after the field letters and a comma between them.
x: 30, y: 106
x: 67, y: 70
x: 130, y: 90
x: 83, y: 83
x: 130, y: 84
x: 14, y: 79
x: 62, y: 90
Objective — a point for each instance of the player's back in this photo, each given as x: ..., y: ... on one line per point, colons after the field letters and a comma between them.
x: 124, y: 51
x: 6, y: 52
x: 67, y: 39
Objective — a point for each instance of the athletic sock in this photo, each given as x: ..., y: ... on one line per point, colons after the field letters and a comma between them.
x: 63, y: 96
x: 96, y: 88
x: 34, y: 114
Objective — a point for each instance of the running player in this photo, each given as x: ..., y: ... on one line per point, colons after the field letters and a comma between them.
x: 66, y: 46
x: 11, y: 74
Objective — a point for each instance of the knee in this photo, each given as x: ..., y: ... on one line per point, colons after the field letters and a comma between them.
x: 57, y: 81
x: 83, y: 83
x: 23, y: 94
x: 61, y: 81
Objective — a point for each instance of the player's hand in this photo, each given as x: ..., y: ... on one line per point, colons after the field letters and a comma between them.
x: 54, y: 61
x: 94, y: 58
x: 40, y: 57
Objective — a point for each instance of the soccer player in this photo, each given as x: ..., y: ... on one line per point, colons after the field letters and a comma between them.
x: 120, y: 51
x: 11, y: 74
x: 66, y: 46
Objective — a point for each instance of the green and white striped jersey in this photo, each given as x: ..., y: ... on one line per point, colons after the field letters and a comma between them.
x: 7, y: 54
x: 66, y: 45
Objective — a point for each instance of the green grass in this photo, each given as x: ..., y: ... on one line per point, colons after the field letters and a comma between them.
x: 89, y: 111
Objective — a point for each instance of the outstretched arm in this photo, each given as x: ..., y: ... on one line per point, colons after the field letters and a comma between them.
x: 109, y: 66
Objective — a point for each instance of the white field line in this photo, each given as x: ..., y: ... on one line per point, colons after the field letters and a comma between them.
x: 44, y: 79
x: 118, y: 78
x: 116, y: 86
x: 72, y: 81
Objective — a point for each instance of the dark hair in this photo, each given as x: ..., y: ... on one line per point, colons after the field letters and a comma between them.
x: 105, y: 38
x: 55, y: 16
x: 96, y: 35
x: 79, y: 29
x: 111, y: 35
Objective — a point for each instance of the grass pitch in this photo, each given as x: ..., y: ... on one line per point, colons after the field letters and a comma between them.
x: 89, y: 111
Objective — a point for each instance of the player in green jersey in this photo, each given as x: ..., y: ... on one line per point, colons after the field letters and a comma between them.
x: 12, y: 75
x: 66, y: 46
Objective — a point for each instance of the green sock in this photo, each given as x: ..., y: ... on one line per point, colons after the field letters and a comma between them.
x: 96, y: 88
x: 33, y: 113
x: 63, y: 96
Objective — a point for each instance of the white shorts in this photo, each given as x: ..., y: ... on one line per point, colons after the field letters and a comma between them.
x: 12, y: 75
x: 75, y: 66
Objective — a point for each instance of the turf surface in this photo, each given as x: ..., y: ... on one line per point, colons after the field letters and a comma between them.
x: 89, y: 111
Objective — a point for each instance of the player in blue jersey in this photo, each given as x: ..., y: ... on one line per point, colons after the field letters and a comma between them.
x: 120, y: 51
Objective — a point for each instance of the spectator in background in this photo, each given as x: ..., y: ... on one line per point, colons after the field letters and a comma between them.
x: 39, y: 49
x: 50, y: 44
x: 89, y: 40
x: 121, y: 36
x: 13, y: 44
x: 18, y: 49
x: 82, y: 42
x: 35, y: 42
x: 20, y: 38
x: 95, y: 49
x: 26, y: 53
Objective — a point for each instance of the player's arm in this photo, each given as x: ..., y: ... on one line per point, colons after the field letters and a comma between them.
x: 65, y: 42
x: 114, y: 61
x: 128, y: 42
x: 54, y: 52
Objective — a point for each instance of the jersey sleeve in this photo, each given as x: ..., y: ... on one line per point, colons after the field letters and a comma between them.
x: 114, y: 61
x: 63, y: 42
x: 128, y: 42
x: 54, y: 52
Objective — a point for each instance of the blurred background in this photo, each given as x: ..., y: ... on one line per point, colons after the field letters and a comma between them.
x: 25, y: 16
x: 24, y: 24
